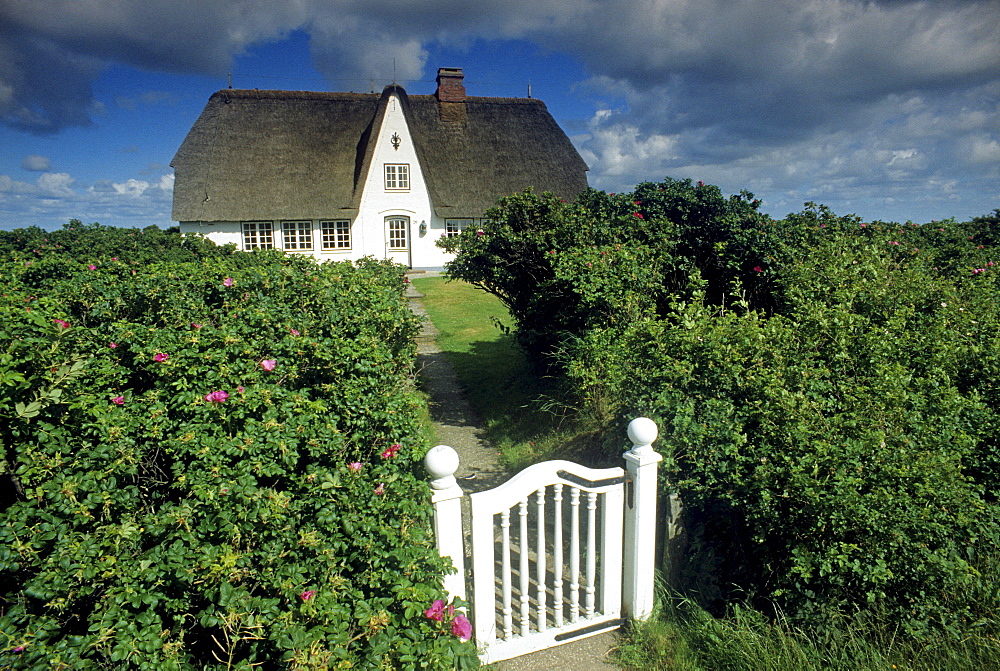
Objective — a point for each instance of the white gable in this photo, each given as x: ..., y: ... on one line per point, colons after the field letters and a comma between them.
x: 405, y: 197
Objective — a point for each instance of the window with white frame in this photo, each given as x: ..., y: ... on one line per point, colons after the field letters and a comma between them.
x: 258, y: 235
x: 453, y: 227
x: 297, y: 236
x: 398, y: 233
x: 397, y: 176
x: 336, y: 234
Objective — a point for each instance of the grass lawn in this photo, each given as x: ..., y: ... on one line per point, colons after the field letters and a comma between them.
x: 499, y: 382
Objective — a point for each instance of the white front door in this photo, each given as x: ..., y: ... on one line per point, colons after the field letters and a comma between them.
x: 397, y: 239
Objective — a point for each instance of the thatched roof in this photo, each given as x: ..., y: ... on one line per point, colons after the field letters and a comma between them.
x: 304, y: 155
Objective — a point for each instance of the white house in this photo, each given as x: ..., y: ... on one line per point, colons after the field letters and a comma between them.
x: 347, y: 175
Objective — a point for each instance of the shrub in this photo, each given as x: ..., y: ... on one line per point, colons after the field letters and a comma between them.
x: 827, y: 386
x: 839, y: 456
x: 563, y: 268
x: 94, y: 243
x: 204, y: 468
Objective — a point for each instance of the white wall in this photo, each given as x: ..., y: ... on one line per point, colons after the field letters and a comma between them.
x: 377, y: 203
x: 221, y: 233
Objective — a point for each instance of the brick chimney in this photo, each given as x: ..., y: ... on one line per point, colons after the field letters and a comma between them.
x: 450, y: 87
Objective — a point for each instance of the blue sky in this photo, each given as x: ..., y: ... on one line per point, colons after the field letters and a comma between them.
x: 889, y: 109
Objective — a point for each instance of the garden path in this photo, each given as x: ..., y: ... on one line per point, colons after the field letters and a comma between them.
x: 458, y: 426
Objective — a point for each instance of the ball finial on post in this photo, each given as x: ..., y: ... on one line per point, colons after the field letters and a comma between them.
x: 642, y: 432
x: 441, y: 463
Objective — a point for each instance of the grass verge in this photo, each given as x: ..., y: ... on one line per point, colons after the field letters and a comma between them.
x: 684, y: 637
x: 499, y: 381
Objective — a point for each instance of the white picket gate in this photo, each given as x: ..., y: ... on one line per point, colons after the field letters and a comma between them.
x: 582, y: 554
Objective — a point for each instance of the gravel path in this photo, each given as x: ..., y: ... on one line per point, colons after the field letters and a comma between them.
x: 479, y: 469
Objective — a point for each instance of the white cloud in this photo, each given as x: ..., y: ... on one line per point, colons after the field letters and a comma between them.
x: 984, y: 150
x: 12, y: 186
x: 55, y: 197
x: 166, y: 183
x: 132, y: 188
x: 618, y: 152
x: 55, y: 184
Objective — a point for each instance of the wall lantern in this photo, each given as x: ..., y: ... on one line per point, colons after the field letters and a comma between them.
x: 423, y: 227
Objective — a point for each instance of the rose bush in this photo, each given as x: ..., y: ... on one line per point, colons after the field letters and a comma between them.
x: 563, y: 268
x: 826, y: 388
x: 192, y: 468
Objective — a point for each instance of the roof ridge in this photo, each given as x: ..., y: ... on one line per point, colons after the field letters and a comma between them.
x: 286, y: 94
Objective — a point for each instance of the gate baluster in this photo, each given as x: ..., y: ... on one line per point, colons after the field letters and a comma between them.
x: 523, y: 569
x: 591, y: 552
x: 574, y: 557
x: 540, y: 560
x: 508, y: 622
x: 557, y: 565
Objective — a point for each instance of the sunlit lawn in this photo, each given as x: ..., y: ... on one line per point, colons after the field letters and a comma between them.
x: 500, y: 383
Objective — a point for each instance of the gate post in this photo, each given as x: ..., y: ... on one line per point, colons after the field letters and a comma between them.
x: 441, y: 463
x: 640, y: 519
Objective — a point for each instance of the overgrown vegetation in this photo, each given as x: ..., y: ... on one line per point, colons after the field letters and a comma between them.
x: 825, y: 389
x: 213, y: 463
x: 685, y: 637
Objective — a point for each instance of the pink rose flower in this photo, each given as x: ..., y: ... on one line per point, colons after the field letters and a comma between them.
x: 161, y: 357
x: 461, y: 627
x: 268, y: 364
x: 113, y: 345
x: 436, y: 611
x: 391, y: 451
x: 355, y: 465
x: 92, y: 267
x: 118, y: 400
x: 307, y: 595
x: 293, y: 332
x: 217, y: 396
x: 61, y: 322
x: 758, y: 269
x: 228, y: 282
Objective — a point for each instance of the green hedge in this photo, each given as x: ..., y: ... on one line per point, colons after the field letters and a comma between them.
x: 607, y: 259
x: 826, y: 388
x: 200, y: 472
x: 95, y: 243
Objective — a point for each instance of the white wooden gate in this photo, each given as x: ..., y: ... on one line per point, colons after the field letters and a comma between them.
x: 558, y: 551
